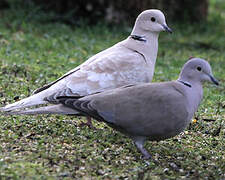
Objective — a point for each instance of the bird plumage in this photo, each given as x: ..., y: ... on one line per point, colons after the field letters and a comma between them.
x: 148, y: 111
x: 127, y: 62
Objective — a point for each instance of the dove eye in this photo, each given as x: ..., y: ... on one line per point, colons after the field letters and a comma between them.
x: 199, y: 68
x: 152, y: 19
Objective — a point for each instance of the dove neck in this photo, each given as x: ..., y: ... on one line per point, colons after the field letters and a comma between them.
x: 147, y: 35
x: 194, y: 93
x: 193, y: 83
x: 148, y: 47
x: 186, y: 76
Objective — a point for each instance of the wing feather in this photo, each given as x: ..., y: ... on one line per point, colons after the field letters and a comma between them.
x: 112, y: 72
x: 84, y: 107
x: 112, y: 68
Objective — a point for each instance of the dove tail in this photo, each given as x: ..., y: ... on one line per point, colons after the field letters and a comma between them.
x: 54, y: 109
x: 36, y: 99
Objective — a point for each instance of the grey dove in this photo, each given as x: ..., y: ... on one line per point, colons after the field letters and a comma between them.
x: 146, y: 111
x: 129, y: 61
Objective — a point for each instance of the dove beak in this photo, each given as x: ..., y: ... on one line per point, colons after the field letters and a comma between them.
x: 214, y: 80
x: 166, y: 28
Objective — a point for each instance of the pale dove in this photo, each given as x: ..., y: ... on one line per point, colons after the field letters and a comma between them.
x: 146, y: 111
x: 129, y: 61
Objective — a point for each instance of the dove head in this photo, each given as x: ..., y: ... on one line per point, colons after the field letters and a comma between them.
x: 197, y: 70
x: 152, y: 20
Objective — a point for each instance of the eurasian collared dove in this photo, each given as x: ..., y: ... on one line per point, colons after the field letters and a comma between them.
x: 146, y: 111
x: 129, y: 61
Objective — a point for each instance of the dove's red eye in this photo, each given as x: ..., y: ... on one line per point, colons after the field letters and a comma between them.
x: 152, y: 19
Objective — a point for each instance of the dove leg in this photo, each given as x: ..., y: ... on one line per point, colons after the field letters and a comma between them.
x: 88, y: 123
x: 139, y: 142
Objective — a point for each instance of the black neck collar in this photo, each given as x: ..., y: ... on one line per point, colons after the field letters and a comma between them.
x: 185, y: 83
x: 138, y: 38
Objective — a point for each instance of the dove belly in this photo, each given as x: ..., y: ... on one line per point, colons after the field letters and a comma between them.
x: 157, y: 126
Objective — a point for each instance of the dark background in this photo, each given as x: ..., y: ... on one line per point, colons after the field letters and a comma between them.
x: 116, y: 11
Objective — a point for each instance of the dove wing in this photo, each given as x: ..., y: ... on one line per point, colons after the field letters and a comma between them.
x: 119, y: 66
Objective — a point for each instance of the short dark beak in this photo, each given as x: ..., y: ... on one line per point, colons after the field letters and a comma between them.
x: 167, y: 29
x: 214, y: 80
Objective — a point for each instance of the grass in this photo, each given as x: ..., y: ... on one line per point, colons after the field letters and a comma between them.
x: 55, y: 147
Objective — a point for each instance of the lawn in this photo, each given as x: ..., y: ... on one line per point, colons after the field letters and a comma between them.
x: 34, y: 52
